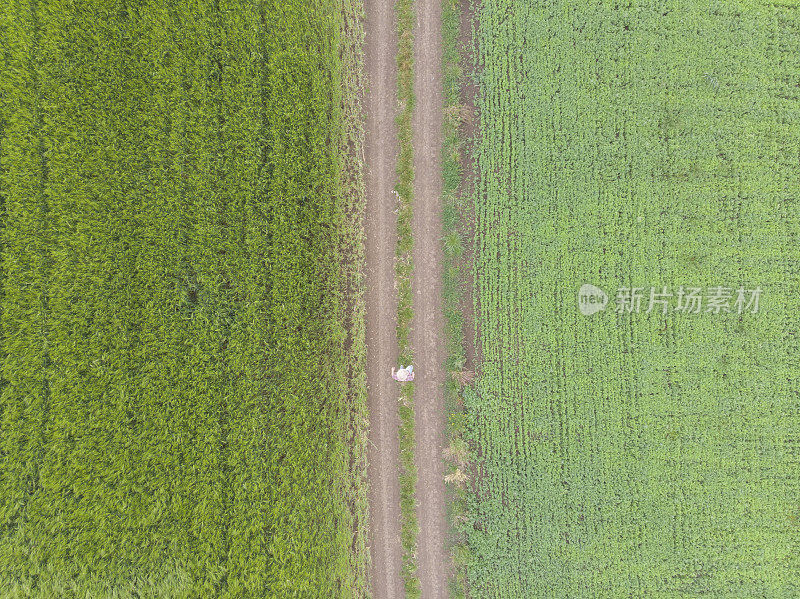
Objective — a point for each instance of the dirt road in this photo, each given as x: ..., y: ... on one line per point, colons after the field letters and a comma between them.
x: 427, y: 336
x: 380, y: 151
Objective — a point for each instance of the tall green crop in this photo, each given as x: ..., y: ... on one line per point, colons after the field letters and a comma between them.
x: 181, y: 322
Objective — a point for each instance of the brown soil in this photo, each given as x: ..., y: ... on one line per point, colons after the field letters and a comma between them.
x: 381, y: 147
x: 427, y: 334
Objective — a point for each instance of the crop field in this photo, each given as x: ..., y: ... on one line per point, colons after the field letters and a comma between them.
x: 642, y: 452
x: 182, y: 409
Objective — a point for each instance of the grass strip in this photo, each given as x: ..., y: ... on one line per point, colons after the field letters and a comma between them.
x: 351, y: 249
x: 409, y: 524
x: 454, y: 237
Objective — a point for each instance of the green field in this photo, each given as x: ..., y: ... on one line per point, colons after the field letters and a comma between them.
x: 639, y: 454
x: 182, y: 409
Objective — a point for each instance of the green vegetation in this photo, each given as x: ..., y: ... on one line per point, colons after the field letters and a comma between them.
x: 182, y: 412
x: 404, y: 266
x: 636, y: 454
x: 454, y: 216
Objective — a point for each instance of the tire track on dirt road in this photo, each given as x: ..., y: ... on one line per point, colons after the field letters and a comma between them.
x: 381, y: 151
x: 427, y: 335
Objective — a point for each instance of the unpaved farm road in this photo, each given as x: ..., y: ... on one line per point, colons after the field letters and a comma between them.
x: 427, y: 335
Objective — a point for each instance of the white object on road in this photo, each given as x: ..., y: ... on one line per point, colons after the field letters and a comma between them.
x: 404, y: 375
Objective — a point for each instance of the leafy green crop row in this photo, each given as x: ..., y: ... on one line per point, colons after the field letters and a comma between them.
x: 178, y: 418
x: 636, y: 455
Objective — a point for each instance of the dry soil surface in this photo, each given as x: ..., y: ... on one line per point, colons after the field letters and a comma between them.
x: 427, y: 335
x: 381, y: 149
